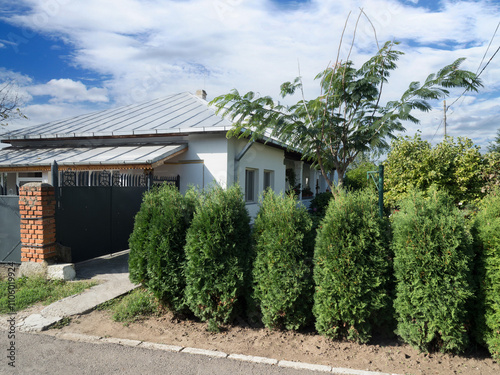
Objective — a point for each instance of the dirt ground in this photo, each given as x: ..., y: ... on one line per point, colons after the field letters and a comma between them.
x: 384, y: 355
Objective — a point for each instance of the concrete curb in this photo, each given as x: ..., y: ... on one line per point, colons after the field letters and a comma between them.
x: 209, y: 353
x: 214, y: 354
x: 304, y: 366
x: 251, y: 358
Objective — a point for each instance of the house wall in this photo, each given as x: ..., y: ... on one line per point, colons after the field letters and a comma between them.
x: 203, y: 164
x: 260, y: 158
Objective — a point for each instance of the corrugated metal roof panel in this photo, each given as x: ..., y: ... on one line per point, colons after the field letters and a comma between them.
x: 178, y: 113
x: 144, y: 154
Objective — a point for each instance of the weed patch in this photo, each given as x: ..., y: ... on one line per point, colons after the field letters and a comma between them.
x: 37, y: 289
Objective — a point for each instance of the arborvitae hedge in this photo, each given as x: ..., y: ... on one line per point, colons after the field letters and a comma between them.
x: 488, y: 307
x: 432, y: 263
x: 167, y: 237
x: 158, y: 244
x: 352, y: 266
x: 282, y: 268
x: 217, y: 250
x: 139, y: 239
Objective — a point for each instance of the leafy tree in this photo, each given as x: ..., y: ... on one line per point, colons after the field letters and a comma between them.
x: 491, y: 171
x: 9, y: 103
x: 454, y: 165
x: 348, y: 117
x: 356, y: 178
x: 494, y: 146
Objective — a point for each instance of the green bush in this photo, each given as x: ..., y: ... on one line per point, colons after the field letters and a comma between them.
x: 282, y: 268
x: 352, y: 268
x: 218, y: 250
x: 319, y: 204
x: 139, y: 239
x: 433, y: 267
x: 453, y: 165
x: 161, y: 251
x: 488, y: 307
x: 356, y: 178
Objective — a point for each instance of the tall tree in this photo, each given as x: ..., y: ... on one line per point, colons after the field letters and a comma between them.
x: 348, y: 116
x: 9, y: 103
x: 494, y: 146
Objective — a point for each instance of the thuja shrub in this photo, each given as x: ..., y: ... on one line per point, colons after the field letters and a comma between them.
x: 282, y: 270
x: 217, y: 251
x: 488, y: 240
x: 433, y: 262
x: 165, y: 246
x: 157, y: 258
x: 139, y: 238
x: 352, y: 266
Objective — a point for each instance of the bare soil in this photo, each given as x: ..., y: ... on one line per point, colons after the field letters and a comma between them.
x: 382, y: 354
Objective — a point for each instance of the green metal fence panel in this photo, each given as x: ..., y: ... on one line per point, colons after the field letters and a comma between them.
x: 10, y: 229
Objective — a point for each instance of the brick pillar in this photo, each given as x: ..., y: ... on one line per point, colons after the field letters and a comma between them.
x: 37, y: 207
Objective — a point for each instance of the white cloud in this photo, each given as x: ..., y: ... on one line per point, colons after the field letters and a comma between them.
x: 156, y: 47
x: 67, y: 90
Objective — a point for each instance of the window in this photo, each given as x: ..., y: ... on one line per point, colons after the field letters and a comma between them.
x: 250, y: 183
x: 268, y: 179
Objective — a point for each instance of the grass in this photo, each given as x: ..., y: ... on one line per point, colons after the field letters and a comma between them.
x: 29, y: 291
x: 136, y: 305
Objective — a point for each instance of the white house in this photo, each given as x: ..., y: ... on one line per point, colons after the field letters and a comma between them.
x: 178, y: 135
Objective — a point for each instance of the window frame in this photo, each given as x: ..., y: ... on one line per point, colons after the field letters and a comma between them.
x: 252, y: 174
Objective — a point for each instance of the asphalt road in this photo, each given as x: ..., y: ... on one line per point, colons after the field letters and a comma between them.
x: 42, y: 354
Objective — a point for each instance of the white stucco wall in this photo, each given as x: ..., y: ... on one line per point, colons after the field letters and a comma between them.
x: 259, y: 158
x: 203, y: 164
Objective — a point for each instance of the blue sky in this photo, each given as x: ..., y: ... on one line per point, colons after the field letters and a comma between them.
x: 69, y: 57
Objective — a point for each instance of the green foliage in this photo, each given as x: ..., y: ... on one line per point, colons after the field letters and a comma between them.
x: 282, y: 270
x: 433, y: 268
x: 319, y: 204
x: 157, y: 256
x: 217, y: 251
x: 494, y: 146
x: 488, y: 306
x: 454, y: 166
x: 347, y: 118
x: 491, y: 172
x: 139, y: 238
x: 31, y: 290
x: 134, y: 306
x: 352, y: 267
x: 356, y: 178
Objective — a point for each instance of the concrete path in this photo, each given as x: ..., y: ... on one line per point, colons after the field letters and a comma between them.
x: 112, y: 273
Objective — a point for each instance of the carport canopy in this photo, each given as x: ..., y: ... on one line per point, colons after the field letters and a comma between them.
x: 13, y: 159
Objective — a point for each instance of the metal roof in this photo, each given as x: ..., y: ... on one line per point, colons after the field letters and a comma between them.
x: 178, y: 113
x: 16, y: 157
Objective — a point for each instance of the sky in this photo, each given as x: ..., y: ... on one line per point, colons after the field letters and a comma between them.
x: 69, y: 57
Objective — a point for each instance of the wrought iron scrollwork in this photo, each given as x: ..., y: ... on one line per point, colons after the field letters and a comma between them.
x: 68, y: 178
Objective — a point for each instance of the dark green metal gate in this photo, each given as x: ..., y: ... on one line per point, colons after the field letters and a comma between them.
x: 10, y: 229
x: 96, y: 220
x: 96, y: 210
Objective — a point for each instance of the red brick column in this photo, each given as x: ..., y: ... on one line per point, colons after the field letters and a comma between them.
x: 37, y: 207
